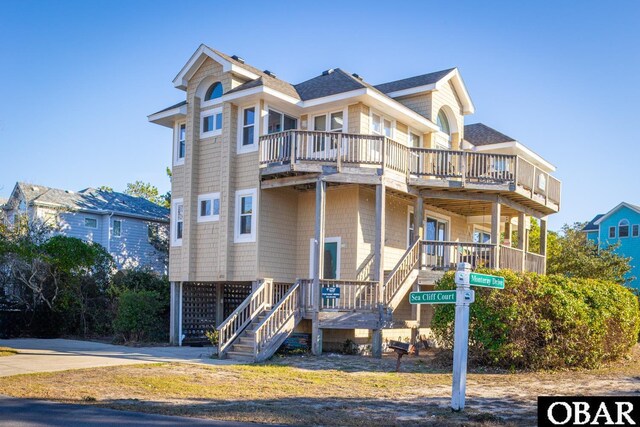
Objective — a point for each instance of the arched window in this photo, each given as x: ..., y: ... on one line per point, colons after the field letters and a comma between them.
x: 443, y: 122
x: 623, y: 228
x: 214, y: 91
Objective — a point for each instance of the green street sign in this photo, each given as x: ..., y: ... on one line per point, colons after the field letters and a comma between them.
x: 486, y: 280
x: 439, y: 297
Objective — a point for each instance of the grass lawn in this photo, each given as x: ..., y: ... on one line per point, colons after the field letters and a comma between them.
x: 327, y: 390
x: 6, y: 351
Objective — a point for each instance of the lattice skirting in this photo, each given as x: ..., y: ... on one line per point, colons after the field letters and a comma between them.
x: 200, y: 306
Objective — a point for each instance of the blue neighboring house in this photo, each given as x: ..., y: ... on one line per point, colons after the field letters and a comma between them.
x: 127, y: 227
x: 621, y: 224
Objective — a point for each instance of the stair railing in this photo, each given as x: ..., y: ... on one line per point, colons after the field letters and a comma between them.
x: 275, y: 324
x: 401, y: 271
x: 365, y: 271
x: 242, y: 316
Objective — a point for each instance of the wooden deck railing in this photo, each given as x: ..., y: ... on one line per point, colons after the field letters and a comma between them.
x: 402, y: 270
x: 243, y: 315
x: 365, y: 272
x: 446, y: 255
x: 511, y: 258
x: 299, y: 146
x: 281, y: 320
x: 535, y: 263
x: 355, y: 295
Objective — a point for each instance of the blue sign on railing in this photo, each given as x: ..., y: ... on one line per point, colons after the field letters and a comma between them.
x: 332, y: 292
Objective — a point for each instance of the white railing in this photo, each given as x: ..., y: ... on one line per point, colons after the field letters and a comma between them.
x: 355, y: 295
x: 279, y: 323
x: 243, y: 315
x: 403, y: 268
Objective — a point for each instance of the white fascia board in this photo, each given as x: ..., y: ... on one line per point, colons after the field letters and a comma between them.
x: 608, y: 214
x: 461, y: 90
x: 412, y: 91
x: 518, y: 147
x: 166, y: 118
x: 333, y: 98
x: 402, y: 109
x: 181, y: 80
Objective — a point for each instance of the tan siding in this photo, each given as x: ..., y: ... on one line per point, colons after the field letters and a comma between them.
x: 421, y: 104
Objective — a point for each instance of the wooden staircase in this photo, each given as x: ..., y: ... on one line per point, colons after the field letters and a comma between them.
x: 402, y: 277
x: 258, y: 327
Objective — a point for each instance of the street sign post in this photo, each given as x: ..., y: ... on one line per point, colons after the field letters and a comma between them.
x: 460, y: 339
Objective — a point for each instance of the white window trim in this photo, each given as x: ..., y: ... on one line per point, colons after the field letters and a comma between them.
x: 211, y: 197
x: 337, y: 240
x: 258, y: 116
x: 415, y: 132
x: 215, y: 132
x: 327, y: 114
x: 410, y: 210
x: 87, y: 226
x: 383, y: 117
x: 629, y: 230
x: 177, y: 161
x: 246, y: 238
x: 632, y: 227
x: 481, y: 229
x: 114, y: 228
x: 439, y: 217
x: 174, y: 203
x: 265, y: 121
x: 615, y: 232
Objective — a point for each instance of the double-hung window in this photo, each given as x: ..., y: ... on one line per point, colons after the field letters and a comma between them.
x: 211, y: 123
x: 381, y: 125
x: 177, y: 222
x: 247, y: 137
x: 635, y: 230
x: 91, y: 223
x: 117, y: 228
x: 612, y: 232
x: 245, y: 218
x: 414, y: 140
x: 209, y: 207
x: 181, y: 144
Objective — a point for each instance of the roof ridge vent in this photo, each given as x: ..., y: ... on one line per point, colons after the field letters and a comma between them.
x: 357, y: 76
x: 327, y: 72
x: 68, y: 191
x: 237, y: 58
x: 269, y: 73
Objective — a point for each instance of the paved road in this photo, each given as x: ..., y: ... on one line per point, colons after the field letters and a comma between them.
x: 34, y: 413
x: 49, y: 355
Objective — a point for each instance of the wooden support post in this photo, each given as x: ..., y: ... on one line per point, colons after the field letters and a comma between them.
x: 219, y: 303
x: 495, y: 234
x: 543, y: 242
x: 376, y: 343
x: 379, y: 238
x: 175, y: 314
x: 507, y: 233
x: 418, y: 227
x: 318, y: 258
x: 416, y: 308
x: 522, y: 235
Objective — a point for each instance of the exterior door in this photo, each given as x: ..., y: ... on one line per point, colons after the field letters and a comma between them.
x: 331, y: 268
x: 436, y: 231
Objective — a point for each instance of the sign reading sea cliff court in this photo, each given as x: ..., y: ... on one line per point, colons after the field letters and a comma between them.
x: 477, y: 279
x: 440, y: 297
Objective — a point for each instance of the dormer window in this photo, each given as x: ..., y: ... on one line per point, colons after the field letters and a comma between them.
x: 214, y: 91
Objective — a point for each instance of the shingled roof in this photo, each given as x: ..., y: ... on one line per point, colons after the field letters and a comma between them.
x: 94, y: 200
x: 591, y: 225
x: 481, y: 134
x: 416, y: 81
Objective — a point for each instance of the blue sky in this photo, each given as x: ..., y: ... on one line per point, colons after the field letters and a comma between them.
x: 80, y: 77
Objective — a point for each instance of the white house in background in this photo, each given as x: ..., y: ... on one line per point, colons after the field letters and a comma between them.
x: 128, y: 227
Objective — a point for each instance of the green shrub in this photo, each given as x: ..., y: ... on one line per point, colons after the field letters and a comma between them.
x: 545, y: 322
x: 139, y: 316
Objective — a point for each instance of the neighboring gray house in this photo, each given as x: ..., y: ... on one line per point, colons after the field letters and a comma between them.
x: 128, y: 227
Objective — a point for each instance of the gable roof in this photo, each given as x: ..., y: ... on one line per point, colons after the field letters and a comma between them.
x: 480, y: 134
x: 416, y: 81
x: 591, y: 225
x: 612, y: 211
x: 93, y: 200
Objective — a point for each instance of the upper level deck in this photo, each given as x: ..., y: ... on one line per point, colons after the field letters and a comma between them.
x: 356, y: 156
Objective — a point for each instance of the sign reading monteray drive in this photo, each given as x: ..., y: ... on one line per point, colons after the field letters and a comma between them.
x: 439, y: 297
x: 332, y: 292
x: 477, y: 279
